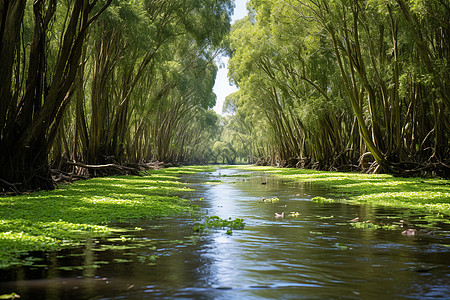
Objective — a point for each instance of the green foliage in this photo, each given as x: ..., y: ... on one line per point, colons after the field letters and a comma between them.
x: 10, y: 296
x: 67, y: 216
x: 144, y: 91
x: 322, y: 200
x: 318, y: 77
x: 430, y: 196
x: 341, y: 246
x: 217, y: 223
x: 371, y: 226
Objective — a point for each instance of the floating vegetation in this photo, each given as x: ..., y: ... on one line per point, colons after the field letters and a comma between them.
x: 342, y: 246
x: 372, y: 226
x: 184, y: 170
x: 322, y: 200
x: 325, y: 217
x: 122, y: 260
x: 9, y: 296
x: 269, y: 200
x: 215, y: 222
x: 214, y: 182
x: 81, y: 267
x: 67, y: 216
x: 427, y: 195
x: 315, y: 233
x: 244, y: 175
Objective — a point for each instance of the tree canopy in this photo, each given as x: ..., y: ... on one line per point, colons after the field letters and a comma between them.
x: 345, y: 84
x: 86, y: 86
x: 104, y: 82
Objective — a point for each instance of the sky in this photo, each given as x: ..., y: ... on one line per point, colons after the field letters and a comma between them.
x: 222, y: 87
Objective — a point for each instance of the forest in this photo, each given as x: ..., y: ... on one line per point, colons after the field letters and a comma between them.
x: 344, y: 85
x: 89, y: 88
x: 105, y: 83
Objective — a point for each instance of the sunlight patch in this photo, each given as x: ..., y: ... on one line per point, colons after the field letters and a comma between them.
x: 108, y: 200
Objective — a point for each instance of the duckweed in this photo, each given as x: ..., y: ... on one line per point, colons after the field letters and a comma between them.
x: 65, y: 217
x: 368, y: 225
x: 322, y: 200
x: 430, y: 196
x: 218, y: 223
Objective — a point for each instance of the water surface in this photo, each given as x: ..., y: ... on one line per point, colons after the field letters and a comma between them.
x: 314, y: 253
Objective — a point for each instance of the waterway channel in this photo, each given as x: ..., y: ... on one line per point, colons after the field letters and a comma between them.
x: 312, y: 252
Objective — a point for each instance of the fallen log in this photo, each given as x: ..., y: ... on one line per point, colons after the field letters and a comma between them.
x: 123, y: 169
x: 63, y: 178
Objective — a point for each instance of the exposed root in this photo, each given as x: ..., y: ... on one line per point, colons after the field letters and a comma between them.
x: 9, y: 188
x: 81, y: 170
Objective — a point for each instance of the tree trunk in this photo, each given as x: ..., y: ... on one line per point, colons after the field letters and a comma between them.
x: 33, y: 119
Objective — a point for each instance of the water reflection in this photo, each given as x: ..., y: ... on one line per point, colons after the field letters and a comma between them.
x: 315, y: 254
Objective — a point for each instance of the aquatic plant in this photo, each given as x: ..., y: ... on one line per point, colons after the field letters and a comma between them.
x: 51, y: 220
x: 269, y: 200
x: 372, y: 226
x: 214, y: 182
x: 294, y: 214
x: 322, y: 200
x: 215, y: 222
x: 9, y: 296
x: 341, y: 246
x: 427, y: 195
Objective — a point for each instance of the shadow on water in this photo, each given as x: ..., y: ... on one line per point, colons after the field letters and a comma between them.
x: 313, y: 252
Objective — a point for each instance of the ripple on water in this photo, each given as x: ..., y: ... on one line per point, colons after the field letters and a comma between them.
x: 314, y: 255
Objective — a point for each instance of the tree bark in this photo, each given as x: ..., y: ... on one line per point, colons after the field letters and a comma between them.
x: 33, y: 119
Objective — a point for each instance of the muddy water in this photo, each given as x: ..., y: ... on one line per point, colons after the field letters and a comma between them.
x: 313, y: 252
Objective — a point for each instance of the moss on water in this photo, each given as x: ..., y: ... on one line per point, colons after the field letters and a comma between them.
x: 50, y: 220
x: 184, y: 170
x: 430, y: 196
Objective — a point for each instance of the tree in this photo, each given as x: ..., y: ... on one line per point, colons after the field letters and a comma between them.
x: 342, y: 82
x: 37, y: 83
x: 164, y: 66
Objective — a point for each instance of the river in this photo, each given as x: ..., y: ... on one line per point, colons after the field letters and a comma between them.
x: 312, y: 252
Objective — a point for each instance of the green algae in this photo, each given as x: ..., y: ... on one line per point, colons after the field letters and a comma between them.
x: 214, y: 222
x: 185, y: 170
x: 372, y: 226
x: 430, y: 196
x: 67, y: 216
x: 322, y: 200
x: 214, y: 182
